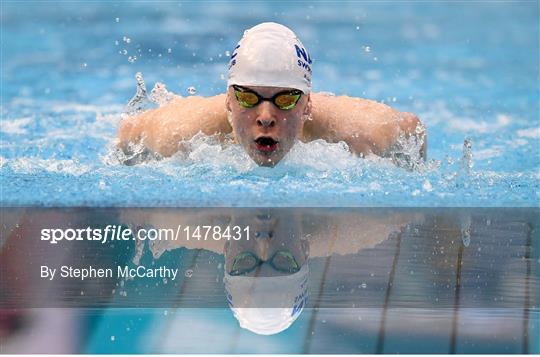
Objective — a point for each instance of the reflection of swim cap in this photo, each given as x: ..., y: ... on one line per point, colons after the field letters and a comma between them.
x: 267, y: 305
x: 270, y: 54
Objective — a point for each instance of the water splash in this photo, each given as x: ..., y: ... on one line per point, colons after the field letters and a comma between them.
x: 408, y: 150
x: 132, y: 154
x: 467, y: 157
x: 160, y: 95
x: 140, y: 101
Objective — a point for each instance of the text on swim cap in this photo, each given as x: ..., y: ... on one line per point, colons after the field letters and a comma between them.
x: 304, y: 59
x: 234, y: 54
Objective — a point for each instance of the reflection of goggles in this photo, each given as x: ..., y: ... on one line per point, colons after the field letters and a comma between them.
x: 282, y: 261
x: 285, y: 100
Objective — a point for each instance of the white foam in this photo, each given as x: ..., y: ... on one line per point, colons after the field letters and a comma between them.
x: 469, y: 125
x: 489, y: 153
x: 532, y: 133
x: 16, y: 126
x: 83, y: 108
x: 209, y: 150
x: 31, y: 165
x: 321, y: 155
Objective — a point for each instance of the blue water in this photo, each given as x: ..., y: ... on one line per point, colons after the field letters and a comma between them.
x: 469, y: 70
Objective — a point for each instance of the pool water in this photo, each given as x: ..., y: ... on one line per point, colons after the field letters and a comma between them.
x: 469, y: 70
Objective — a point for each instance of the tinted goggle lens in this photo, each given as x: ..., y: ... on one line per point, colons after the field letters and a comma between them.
x: 246, y: 99
x: 284, y: 101
x: 244, y: 263
x: 282, y: 261
x: 287, y: 101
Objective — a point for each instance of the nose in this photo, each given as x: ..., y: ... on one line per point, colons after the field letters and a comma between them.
x: 263, y: 248
x: 266, y: 116
x: 266, y: 123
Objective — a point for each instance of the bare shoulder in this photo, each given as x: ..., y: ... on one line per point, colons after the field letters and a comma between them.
x: 331, y: 107
x: 366, y: 125
x: 163, y: 128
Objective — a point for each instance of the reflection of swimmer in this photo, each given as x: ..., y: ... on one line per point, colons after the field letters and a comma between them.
x: 266, y: 281
x: 268, y: 106
x: 267, y: 277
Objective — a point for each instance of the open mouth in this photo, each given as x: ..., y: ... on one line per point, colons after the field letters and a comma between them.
x: 266, y: 144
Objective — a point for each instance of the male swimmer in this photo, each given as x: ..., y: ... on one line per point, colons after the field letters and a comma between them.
x: 269, y: 106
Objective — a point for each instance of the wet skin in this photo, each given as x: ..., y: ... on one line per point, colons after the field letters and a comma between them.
x: 266, y: 132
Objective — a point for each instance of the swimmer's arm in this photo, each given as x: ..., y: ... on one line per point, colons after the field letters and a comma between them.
x: 365, y: 125
x: 161, y: 130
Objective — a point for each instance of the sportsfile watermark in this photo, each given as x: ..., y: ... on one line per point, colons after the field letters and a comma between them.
x: 111, y: 233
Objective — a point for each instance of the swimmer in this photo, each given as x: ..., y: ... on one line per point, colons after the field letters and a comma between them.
x: 269, y: 106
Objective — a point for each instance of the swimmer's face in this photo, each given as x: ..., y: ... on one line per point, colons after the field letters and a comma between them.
x: 266, y: 132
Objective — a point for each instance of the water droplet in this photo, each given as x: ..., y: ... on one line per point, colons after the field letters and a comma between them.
x: 367, y: 49
x: 227, y: 53
x: 160, y: 95
x: 124, y: 52
x: 60, y: 167
x: 117, y: 19
x: 364, y: 285
x: 132, y: 59
x: 357, y: 27
x: 165, y: 312
x: 427, y: 186
x: 126, y: 39
x: 188, y: 273
x: 191, y: 90
x: 169, y: 50
x: 466, y: 237
x: 467, y: 158
x: 113, y: 338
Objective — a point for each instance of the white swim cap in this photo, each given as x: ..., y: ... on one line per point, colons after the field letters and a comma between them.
x: 270, y: 54
x: 267, y: 305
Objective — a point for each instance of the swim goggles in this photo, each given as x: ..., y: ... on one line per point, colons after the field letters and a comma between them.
x: 282, y: 261
x: 285, y: 100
